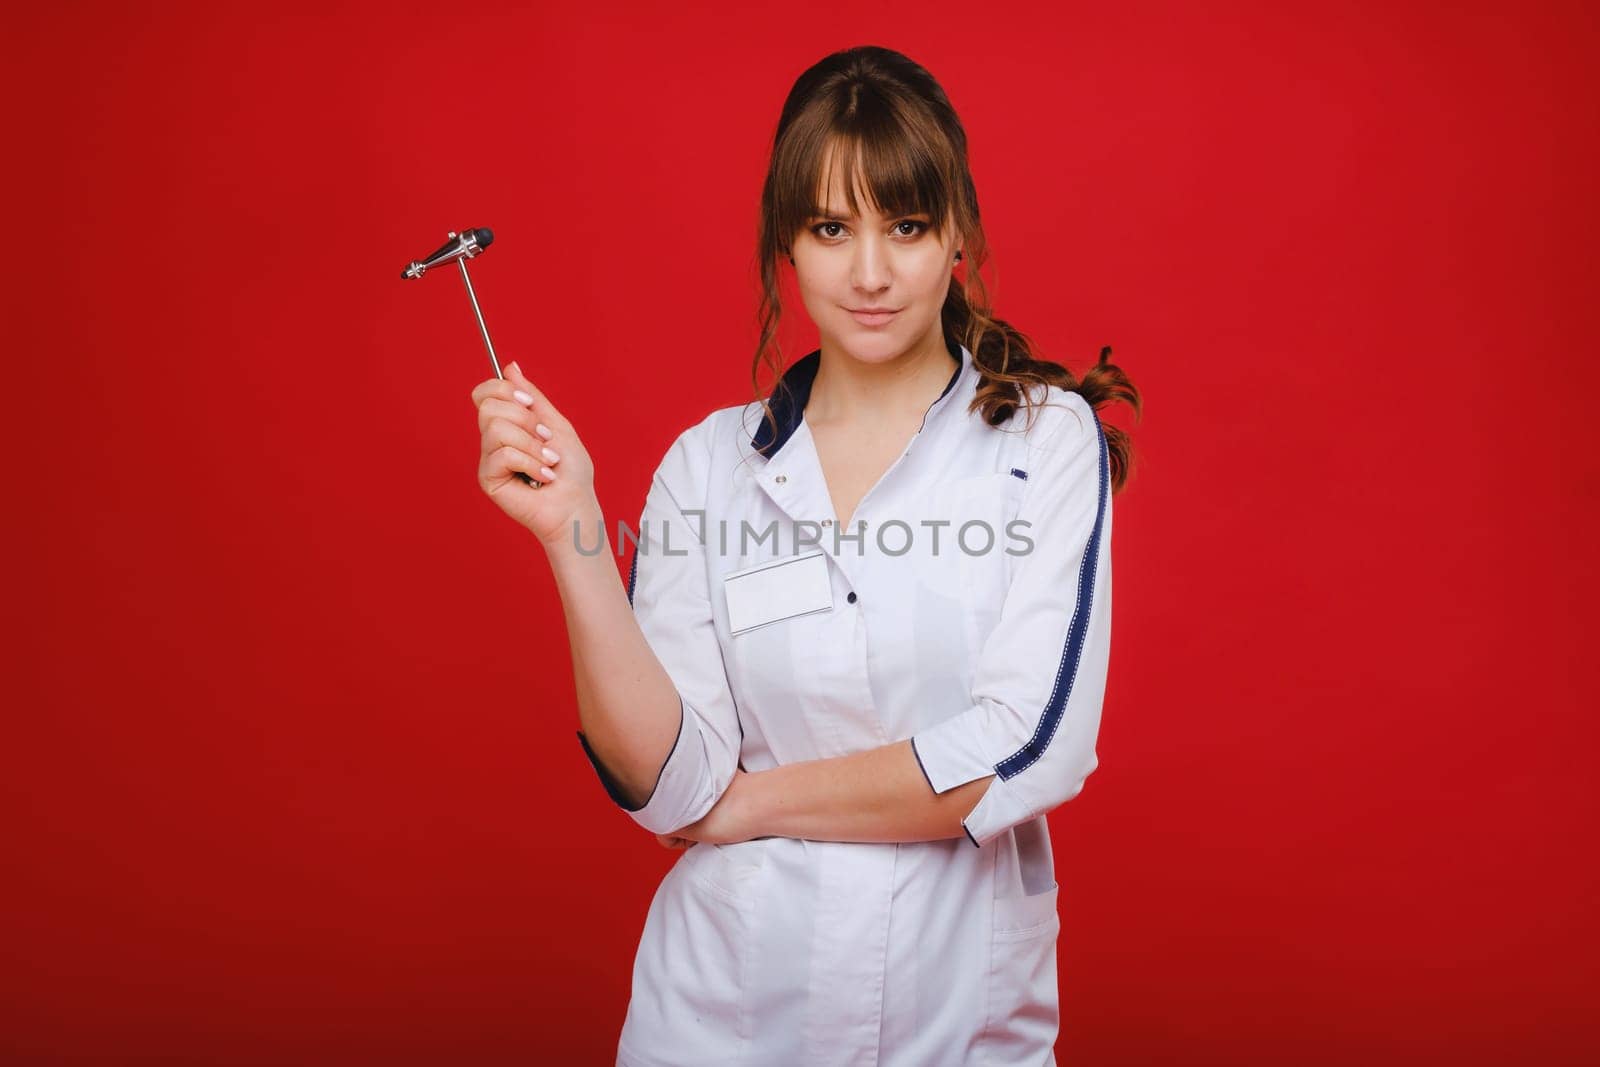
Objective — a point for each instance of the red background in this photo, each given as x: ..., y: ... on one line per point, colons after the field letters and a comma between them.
x: 291, y: 773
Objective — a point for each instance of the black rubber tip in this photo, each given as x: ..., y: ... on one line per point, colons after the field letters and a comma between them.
x: 485, y: 236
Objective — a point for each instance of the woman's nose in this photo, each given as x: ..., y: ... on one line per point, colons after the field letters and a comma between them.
x: 870, y: 268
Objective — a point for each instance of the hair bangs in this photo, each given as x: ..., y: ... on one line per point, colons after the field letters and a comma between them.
x: 893, y: 166
x: 890, y: 171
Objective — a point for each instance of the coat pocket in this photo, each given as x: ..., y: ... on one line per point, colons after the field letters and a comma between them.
x: 728, y: 871
x: 1024, y: 1014
x: 696, y: 954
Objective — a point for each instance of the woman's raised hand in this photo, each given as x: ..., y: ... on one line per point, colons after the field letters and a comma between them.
x: 523, y: 431
x: 674, y: 842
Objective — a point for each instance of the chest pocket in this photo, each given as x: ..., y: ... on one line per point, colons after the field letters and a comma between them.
x: 970, y: 561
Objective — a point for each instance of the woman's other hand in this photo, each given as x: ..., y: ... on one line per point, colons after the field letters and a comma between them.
x: 522, y: 431
x: 674, y: 841
x: 728, y: 822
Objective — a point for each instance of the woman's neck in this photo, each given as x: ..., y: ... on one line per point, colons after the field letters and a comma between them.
x: 847, y: 390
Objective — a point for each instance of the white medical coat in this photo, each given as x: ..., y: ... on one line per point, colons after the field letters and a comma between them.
x: 786, y: 951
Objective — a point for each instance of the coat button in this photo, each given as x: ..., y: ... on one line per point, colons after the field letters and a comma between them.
x: 780, y: 479
x: 851, y: 598
x: 827, y: 522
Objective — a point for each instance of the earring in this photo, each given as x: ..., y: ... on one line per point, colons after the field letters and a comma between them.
x: 958, y: 255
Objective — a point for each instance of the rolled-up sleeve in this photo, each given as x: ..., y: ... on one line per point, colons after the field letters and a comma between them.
x: 1040, y: 677
x: 668, y: 586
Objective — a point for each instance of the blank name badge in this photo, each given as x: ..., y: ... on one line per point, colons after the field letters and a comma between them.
x: 776, y: 590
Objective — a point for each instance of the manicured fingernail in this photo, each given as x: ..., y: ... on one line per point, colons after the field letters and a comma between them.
x: 522, y: 398
x: 551, y: 455
x: 543, y: 431
x: 547, y: 474
x: 513, y: 366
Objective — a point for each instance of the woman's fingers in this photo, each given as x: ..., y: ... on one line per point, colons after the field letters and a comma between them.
x: 506, y: 407
x: 492, y: 387
x: 500, y: 462
x: 506, y: 422
x: 547, y: 412
x: 526, y: 406
x: 505, y: 433
x: 532, y: 441
x: 672, y: 841
x: 514, y: 416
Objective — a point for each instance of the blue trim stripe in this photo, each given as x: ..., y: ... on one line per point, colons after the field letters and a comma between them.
x: 633, y: 568
x: 1067, y: 670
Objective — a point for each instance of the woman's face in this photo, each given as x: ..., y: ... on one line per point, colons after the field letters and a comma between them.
x: 844, y: 265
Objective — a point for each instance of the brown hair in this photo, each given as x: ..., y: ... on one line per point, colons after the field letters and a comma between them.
x: 893, y: 126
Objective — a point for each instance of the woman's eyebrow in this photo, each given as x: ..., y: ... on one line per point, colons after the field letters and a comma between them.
x: 845, y: 216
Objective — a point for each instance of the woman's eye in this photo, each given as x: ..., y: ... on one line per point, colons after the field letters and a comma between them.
x: 919, y: 228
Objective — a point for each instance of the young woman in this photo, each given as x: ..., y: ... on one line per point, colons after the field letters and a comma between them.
x: 864, y: 637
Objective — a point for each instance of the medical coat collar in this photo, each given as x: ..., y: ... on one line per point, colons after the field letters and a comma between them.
x: 789, y: 404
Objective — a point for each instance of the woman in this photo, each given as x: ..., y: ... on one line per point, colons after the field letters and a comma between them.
x: 857, y: 734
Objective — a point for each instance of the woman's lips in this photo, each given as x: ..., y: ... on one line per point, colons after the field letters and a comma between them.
x: 873, y: 318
